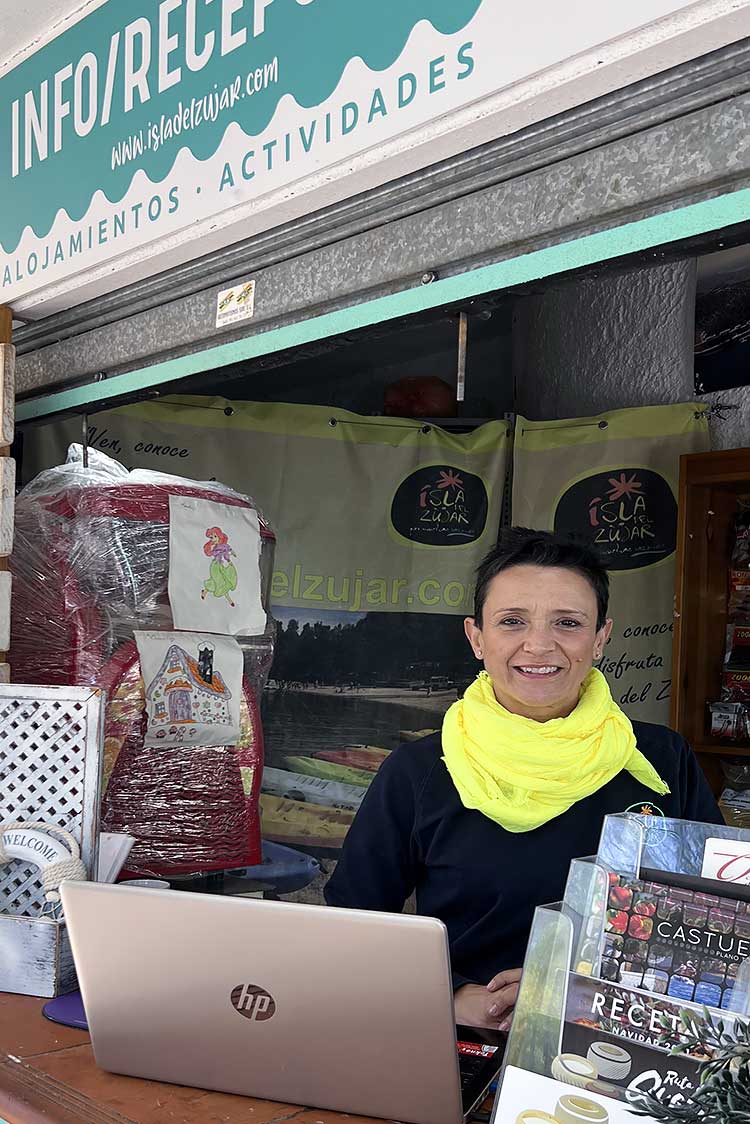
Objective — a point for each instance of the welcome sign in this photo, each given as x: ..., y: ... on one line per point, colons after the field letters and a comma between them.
x: 142, y: 120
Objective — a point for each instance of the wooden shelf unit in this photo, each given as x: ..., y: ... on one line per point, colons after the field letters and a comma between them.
x: 710, y: 484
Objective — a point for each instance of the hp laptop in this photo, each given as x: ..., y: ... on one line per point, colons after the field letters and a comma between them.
x: 326, y: 1008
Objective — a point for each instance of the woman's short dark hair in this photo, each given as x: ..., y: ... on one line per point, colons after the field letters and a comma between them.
x: 518, y: 546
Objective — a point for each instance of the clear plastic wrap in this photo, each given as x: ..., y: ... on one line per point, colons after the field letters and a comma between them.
x: 90, y: 566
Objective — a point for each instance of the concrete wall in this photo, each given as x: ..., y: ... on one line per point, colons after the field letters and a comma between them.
x: 617, y: 340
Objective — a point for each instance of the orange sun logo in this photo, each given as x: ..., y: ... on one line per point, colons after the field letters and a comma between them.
x: 624, y: 486
x: 450, y: 479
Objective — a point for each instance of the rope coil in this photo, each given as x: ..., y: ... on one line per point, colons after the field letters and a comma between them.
x: 53, y: 874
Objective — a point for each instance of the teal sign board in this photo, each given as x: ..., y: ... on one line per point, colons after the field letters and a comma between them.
x: 151, y: 130
x: 144, y: 118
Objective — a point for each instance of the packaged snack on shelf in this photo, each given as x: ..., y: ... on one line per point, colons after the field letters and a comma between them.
x: 739, y: 596
x: 736, y: 771
x: 735, y: 686
x: 730, y: 721
x: 738, y: 647
x: 735, y: 807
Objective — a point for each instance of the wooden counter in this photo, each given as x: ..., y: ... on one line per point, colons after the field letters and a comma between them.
x: 48, y: 1076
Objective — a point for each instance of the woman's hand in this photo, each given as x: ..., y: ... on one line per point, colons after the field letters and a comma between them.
x: 491, y: 1006
x: 504, y: 990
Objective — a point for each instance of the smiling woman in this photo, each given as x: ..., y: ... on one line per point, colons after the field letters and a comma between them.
x: 539, y: 715
x: 484, y: 819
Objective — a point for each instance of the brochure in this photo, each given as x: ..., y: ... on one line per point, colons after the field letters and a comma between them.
x: 530, y: 1098
x: 638, y: 1016
x: 675, y: 940
x: 113, y: 852
x: 621, y: 1040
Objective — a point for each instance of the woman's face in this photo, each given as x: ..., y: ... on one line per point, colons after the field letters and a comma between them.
x: 538, y: 639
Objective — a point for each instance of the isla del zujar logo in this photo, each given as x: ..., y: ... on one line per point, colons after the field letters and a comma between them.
x: 653, y: 821
x: 440, y: 505
x: 253, y: 1002
x: 629, y: 516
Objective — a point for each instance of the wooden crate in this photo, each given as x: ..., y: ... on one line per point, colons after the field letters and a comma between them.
x: 36, y: 957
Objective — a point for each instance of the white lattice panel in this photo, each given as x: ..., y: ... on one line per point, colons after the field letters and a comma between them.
x: 50, y: 767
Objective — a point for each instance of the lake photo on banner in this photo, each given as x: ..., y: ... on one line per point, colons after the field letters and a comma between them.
x: 313, y: 721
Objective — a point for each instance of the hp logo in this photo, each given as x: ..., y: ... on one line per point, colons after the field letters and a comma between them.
x: 253, y: 1002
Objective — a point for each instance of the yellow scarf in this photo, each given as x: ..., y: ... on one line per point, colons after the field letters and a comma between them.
x: 523, y: 773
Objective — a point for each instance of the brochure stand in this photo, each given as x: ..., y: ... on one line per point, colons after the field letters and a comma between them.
x: 650, y: 945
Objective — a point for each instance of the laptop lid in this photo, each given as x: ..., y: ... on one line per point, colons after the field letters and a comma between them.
x: 326, y: 1008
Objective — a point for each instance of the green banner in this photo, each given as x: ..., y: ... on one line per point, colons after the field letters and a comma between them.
x: 372, y: 514
x: 380, y: 524
x: 613, y: 480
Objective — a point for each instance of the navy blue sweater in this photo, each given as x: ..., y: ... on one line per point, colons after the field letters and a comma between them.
x: 413, y: 833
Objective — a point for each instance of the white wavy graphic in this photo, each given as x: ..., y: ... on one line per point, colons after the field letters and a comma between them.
x: 289, y: 165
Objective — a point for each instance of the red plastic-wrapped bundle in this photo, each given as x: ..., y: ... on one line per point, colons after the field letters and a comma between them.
x: 90, y: 566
